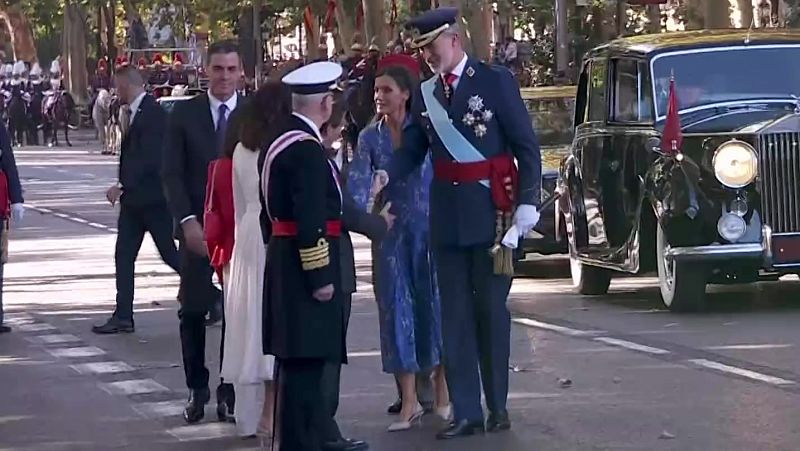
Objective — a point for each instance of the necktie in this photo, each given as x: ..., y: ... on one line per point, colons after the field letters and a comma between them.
x: 222, y: 126
x: 449, y: 84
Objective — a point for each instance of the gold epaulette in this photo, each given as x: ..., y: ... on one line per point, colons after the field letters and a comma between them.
x: 316, y: 257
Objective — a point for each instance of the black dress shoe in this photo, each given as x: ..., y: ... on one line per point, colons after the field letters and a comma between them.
x: 345, y: 444
x: 395, y: 408
x: 498, y: 422
x: 226, y: 401
x: 225, y: 412
x: 114, y: 326
x: 4, y: 329
x: 214, y: 314
x: 461, y: 428
x: 195, y: 408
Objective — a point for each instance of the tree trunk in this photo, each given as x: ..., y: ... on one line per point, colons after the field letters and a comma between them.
x: 73, y: 62
x: 22, y: 42
x: 506, y: 21
x: 654, y: 19
x: 247, y: 40
x: 345, y: 25
x: 375, y: 22
x: 717, y: 14
x: 478, y: 26
x: 745, y: 12
x: 694, y: 14
x: 110, y: 20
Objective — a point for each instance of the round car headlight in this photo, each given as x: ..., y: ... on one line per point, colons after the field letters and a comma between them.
x: 731, y: 227
x: 735, y: 164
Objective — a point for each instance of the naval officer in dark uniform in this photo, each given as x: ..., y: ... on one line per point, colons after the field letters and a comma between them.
x: 471, y: 117
x: 301, y: 221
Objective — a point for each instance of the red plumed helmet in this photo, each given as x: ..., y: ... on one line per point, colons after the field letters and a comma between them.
x: 142, y: 62
x: 408, y: 62
x: 102, y: 64
x: 158, y: 59
x: 177, y: 60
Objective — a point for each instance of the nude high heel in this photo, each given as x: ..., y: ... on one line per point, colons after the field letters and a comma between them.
x: 416, y: 418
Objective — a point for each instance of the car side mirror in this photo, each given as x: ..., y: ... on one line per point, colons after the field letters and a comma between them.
x: 653, y: 144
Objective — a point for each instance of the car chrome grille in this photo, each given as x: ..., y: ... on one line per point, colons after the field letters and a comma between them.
x: 779, y: 180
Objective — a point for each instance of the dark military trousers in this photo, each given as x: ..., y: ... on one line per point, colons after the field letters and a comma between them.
x: 300, y: 409
x: 476, y: 329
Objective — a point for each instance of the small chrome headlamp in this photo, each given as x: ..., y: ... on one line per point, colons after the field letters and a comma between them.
x: 735, y: 163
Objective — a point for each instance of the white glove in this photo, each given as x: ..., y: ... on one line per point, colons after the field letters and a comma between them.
x: 525, y: 219
x: 17, y: 213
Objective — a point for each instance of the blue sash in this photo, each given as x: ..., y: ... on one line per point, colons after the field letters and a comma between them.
x: 454, y: 142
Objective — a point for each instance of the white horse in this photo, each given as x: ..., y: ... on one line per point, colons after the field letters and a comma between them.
x: 100, y: 115
x: 118, y: 129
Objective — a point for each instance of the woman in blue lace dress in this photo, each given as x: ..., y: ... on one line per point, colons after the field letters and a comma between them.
x: 405, y: 282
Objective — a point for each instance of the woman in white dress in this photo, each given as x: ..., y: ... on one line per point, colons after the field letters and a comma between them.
x: 245, y: 364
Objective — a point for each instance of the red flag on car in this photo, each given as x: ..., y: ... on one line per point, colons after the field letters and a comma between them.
x: 672, y: 137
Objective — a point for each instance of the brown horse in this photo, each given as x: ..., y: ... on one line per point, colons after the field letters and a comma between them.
x: 57, y: 110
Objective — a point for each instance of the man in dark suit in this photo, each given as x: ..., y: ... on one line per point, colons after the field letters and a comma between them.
x: 195, y: 136
x: 143, y: 207
x: 9, y: 166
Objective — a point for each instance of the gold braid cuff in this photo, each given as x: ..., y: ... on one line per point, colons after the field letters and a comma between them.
x: 316, y: 257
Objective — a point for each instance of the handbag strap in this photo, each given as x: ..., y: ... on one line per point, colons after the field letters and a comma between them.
x: 210, y: 187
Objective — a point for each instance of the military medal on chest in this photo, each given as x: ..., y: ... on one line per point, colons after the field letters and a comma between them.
x: 477, y: 116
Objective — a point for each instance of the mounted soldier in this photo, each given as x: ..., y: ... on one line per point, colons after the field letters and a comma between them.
x: 36, y: 88
x: 18, y: 105
x: 178, y: 74
x: 159, y: 76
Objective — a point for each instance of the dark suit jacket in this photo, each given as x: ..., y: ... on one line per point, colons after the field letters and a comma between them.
x: 9, y: 165
x: 189, y: 146
x: 141, y: 156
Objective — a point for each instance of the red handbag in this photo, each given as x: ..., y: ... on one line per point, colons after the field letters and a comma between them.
x: 213, y: 229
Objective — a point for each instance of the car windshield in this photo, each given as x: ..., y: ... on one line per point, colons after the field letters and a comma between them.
x: 718, y: 75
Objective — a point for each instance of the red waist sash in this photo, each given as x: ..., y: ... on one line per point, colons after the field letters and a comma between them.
x: 289, y: 228
x: 500, y: 171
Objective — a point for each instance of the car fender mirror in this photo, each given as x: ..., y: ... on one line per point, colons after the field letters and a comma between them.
x: 653, y: 144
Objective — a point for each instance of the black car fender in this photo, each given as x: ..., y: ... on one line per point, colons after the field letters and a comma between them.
x: 682, y: 208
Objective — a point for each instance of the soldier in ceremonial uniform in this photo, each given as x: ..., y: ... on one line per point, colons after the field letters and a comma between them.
x: 471, y: 117
x: 159, y: 75
x: 301, y: 221
x: 178, y: 75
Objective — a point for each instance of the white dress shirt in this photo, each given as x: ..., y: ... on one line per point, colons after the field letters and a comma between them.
x: 137, y: 102
x: 459, y: 70
x: 214, y: 104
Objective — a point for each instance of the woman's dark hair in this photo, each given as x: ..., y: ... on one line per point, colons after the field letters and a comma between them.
x: 264, y: 115
x: 405, y: 81
x: 337, y: 112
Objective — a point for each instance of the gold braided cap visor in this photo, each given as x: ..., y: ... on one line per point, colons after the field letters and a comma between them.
x: 419, y: 40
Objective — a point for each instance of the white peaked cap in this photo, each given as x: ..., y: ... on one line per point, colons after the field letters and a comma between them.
x: 36, y: 69
x: 19, y: 68
x: 314, y: 78
x: 55, y: 68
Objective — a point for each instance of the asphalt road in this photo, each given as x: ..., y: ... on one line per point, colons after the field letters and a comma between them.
x: 641, y: 378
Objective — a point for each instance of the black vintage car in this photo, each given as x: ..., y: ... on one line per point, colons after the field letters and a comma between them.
x: 725, y: 206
